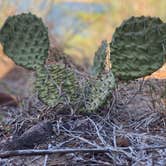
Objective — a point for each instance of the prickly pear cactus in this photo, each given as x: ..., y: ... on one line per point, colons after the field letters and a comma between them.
x: 100, y: 91
x: 99, y: 61
x: 136, y: 47
x: 56, y: 84
x: 25, y: 40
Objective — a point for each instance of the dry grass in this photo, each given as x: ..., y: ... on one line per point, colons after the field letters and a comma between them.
x: 133, y: 127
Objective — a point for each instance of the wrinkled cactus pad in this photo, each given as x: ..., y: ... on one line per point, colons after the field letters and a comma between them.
x: 56, y: 84
x: 99, y: 61
x: 136, y: 47
x: 25, y: 40
x: 100, y: 91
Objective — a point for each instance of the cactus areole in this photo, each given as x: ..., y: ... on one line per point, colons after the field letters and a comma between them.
x: 25, y: 40
x: 138, y: 47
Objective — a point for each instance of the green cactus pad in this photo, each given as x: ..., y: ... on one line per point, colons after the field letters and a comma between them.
x: 99, y: 61
x: 25, y: 40
x: 136, y: 48
x: 100, y: 91
x: 56, y: 84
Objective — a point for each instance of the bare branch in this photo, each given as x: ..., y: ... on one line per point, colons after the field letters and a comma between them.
x: 31, y: 152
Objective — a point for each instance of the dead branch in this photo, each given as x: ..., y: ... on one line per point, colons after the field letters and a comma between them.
x: 31, y: 152
x: 150, y: 148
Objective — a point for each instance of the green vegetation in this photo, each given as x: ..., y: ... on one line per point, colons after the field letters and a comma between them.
x: 137, y: 47
x: 25, y: 40
x: 100, y: 91
x: 55, y: 84
x: 99, y: 61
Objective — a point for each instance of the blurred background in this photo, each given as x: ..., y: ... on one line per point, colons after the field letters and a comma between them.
x: 78, y: 26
